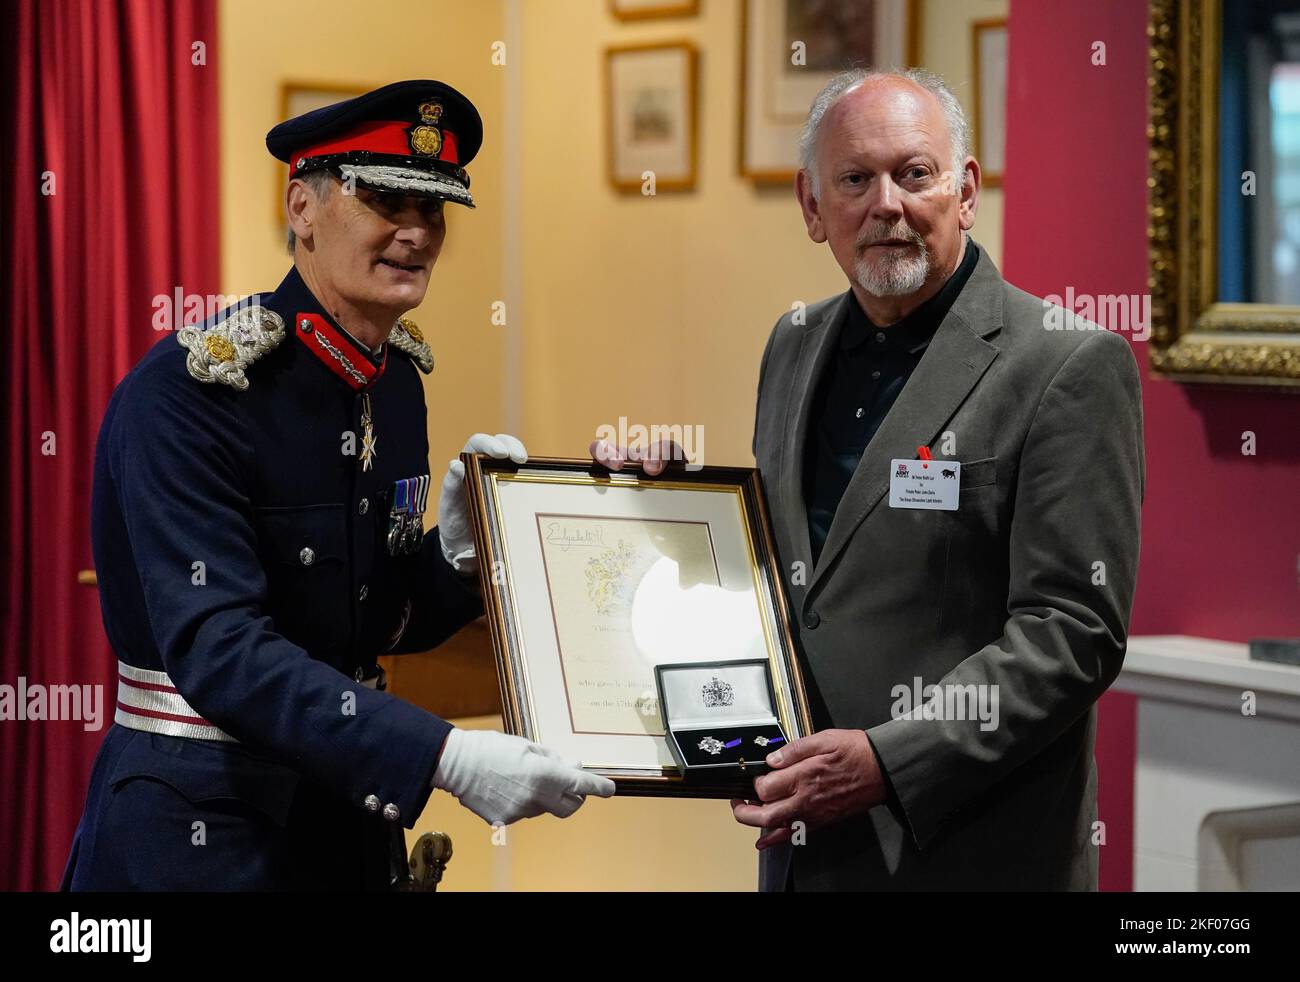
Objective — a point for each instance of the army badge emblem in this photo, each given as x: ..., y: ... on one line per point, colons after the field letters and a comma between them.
x: 426, y: 138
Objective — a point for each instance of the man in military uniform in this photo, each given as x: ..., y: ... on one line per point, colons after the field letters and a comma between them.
x: 259, y: 489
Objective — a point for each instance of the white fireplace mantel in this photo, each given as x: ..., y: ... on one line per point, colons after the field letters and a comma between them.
x: 1217, y: 781
x: 1214, y: 674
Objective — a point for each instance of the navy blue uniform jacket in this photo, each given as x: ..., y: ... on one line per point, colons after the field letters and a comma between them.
x: 205, y: 498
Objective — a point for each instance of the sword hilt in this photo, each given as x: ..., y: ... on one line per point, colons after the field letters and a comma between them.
x: 429, y: 858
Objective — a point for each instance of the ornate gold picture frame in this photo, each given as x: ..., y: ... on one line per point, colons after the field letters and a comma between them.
x: 1195, y: 337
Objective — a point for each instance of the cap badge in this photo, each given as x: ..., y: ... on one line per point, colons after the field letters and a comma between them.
x: 426, y: 138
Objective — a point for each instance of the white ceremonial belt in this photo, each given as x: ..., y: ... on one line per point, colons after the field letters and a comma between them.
x: 148, y: 701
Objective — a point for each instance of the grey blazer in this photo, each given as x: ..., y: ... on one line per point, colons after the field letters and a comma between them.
x: 1026, y: 587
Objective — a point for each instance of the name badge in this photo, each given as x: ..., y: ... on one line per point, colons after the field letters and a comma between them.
x: 931, y: 484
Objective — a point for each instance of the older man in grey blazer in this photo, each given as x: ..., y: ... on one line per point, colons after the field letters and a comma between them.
x: 957, y: 631
x: 958, y: 617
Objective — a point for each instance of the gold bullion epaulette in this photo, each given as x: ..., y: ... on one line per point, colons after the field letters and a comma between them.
x: 408, y: 338
x: 221, y: 351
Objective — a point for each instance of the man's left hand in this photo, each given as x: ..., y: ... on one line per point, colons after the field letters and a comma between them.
x: 818, y: 780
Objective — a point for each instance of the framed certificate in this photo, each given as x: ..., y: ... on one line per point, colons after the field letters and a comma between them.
x: 593, y: 579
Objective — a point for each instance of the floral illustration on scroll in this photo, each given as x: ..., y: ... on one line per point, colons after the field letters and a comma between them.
x: 610, y: 580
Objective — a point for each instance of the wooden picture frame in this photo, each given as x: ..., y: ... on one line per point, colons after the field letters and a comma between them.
x: 774, y: 103
x: 296, y: 98
x: 587, y: 579
x: 638, y: 10
x: 988, y: 47
x: 651, y: 115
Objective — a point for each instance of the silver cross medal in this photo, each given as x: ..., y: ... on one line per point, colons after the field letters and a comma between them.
x: 368, y: 451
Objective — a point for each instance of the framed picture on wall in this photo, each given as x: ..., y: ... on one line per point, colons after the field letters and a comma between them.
x: 297, y: 98
x: 595, y: 583
x: 989, y: 67
x: 650, y: 95
x: 647, y: 9
x: 789, y: 49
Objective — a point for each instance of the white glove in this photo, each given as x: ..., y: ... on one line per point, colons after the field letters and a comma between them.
x: 454, y: 528
x: 502, y: 778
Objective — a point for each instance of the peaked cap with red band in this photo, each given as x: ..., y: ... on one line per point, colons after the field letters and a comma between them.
x: 412, y: 137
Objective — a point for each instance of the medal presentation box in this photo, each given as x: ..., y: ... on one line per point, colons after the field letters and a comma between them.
x: 720, y: 719
x: 618, y: 601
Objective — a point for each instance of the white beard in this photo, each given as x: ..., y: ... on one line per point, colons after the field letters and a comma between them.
x: 894, y: 276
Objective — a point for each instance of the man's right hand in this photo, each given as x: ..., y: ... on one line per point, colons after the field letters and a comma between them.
x: 503, y: 778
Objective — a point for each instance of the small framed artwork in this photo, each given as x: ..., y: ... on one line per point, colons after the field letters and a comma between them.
x: 989, y: 66
x: 640, y: 623
x: 650, y: 93
x: 648, y: 9
x: 789, y: 49
x: 297, y: 98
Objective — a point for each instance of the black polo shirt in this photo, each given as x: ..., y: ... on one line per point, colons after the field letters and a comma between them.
x: 858, y: 388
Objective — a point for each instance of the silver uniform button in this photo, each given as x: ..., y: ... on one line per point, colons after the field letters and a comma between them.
x: 305, y: 325
x: 307, y: 556
x: 392, y: 812
x: 880, y: 337
x: 372, y: 803
x: 364, y: 506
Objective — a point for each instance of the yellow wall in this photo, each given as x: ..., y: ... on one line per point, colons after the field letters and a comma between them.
x: 656, y: 309
x: 946, y: 49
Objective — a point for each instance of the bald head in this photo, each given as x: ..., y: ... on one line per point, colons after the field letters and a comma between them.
x: 859, y: 82
x: 887, y: 181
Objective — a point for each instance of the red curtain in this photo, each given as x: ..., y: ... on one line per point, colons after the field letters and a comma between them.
x: 108, y: 179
